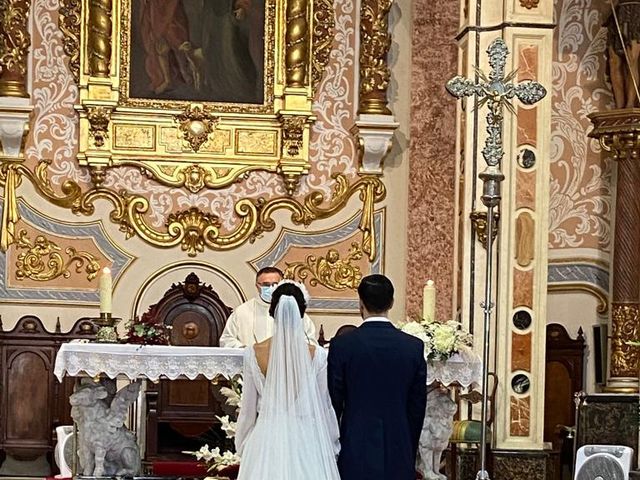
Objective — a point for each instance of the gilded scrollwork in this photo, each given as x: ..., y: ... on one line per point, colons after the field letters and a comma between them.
x: 100, y: 26
x: 99, y: 118
x: 69, y: 21
x: 196, y: 125
x: 330, y: 270
x: 194, y: 227
x: 324, y: 23
x: 292, y: 135
x: 375, y: 41
x: 14, y: 47
x: 42, y: 261
x: 479, y: 224
x: 297, y: 43
x: 624, y: 357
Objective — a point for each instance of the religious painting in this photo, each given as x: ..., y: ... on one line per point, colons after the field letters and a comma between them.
x: 197, y: 50
x: 199, y: 93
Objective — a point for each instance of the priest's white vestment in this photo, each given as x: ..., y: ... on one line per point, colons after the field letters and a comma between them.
x: 251, y: 323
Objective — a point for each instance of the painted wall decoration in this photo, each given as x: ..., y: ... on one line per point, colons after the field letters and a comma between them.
x: 581, y: 181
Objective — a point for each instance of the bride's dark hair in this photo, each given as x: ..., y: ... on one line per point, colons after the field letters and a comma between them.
x: 287, y: 289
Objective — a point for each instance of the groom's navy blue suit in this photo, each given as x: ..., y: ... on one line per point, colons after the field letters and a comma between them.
x: 377, y: 381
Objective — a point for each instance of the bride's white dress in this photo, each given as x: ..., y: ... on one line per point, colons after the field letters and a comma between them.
x: 287, y: 429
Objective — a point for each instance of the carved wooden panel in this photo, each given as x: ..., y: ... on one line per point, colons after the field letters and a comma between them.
x: 32, y: 401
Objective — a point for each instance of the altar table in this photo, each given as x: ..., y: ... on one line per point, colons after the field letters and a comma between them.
x: 151, y: 362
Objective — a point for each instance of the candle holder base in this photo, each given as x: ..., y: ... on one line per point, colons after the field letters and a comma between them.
x: 106, y: 328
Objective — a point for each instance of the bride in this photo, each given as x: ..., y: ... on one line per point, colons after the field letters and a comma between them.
x: 287, y: 428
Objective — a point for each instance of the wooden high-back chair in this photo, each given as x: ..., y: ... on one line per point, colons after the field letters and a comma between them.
x: 180, y: 411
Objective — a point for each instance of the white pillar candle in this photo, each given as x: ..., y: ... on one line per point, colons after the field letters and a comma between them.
x: 105, y: 291
x: 429, y: 301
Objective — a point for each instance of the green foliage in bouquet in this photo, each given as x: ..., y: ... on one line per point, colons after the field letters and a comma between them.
x: 147, y: 331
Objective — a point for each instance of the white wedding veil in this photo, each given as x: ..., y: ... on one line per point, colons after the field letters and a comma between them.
x: 291, y: 438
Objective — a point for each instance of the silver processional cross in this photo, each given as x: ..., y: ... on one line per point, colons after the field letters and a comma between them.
x: 496, y: 92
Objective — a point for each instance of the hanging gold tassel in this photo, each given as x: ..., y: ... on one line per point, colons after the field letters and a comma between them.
x: 10, y: 215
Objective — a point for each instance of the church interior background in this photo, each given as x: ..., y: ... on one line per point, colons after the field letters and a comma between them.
x: 357, y: 161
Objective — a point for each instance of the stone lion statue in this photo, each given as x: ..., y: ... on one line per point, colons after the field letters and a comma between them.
x: 105, y: 446
x: 436, y: 431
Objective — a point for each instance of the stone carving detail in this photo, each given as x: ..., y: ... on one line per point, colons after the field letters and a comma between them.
x: 105, y: 446
x: 330, y: 271
x: 42, y: 261
x: 436, y: 431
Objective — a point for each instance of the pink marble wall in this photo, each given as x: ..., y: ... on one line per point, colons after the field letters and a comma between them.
x: 431, y: 206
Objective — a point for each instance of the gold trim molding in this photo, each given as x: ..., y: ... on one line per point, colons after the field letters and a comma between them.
x: 43, y: 262
x: 330, y: 271
x: 193, y: 229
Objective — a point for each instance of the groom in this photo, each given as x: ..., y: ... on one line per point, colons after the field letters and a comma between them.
x: 377, y: 382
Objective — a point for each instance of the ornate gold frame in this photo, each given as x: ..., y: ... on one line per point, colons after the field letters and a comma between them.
x: 303, y: 36
x: 196, y: 145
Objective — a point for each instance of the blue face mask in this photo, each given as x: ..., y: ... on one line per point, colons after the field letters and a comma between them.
x: 266, y: 292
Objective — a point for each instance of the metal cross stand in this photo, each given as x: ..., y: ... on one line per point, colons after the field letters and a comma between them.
x: 495, y: 91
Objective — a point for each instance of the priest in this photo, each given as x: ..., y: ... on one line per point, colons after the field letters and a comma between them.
x: 251, y: 323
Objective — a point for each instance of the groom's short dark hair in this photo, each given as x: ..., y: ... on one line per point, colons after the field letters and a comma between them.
x: 376, y: 293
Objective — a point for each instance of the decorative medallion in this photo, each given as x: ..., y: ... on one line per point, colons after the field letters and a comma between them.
x: 196, y: 125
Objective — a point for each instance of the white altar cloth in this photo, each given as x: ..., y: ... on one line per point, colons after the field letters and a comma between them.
x: 146, y: 361
x: 462, y: 369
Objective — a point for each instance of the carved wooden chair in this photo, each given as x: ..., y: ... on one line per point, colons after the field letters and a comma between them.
x: 470, y: 431
x: 564, y: 376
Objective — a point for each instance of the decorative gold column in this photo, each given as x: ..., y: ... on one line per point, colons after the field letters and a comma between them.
x: 14, y: 47
x: 619, y: 134
x: 375, y: 41
x: 100, y: 37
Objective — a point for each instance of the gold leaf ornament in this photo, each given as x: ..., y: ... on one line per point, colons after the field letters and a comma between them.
x: 42, y: 261
x: 330, y: 271
x: 196, y: 125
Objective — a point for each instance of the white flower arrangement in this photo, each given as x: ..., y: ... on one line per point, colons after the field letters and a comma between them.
x: 441, y: 339
x: 215, y: 460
